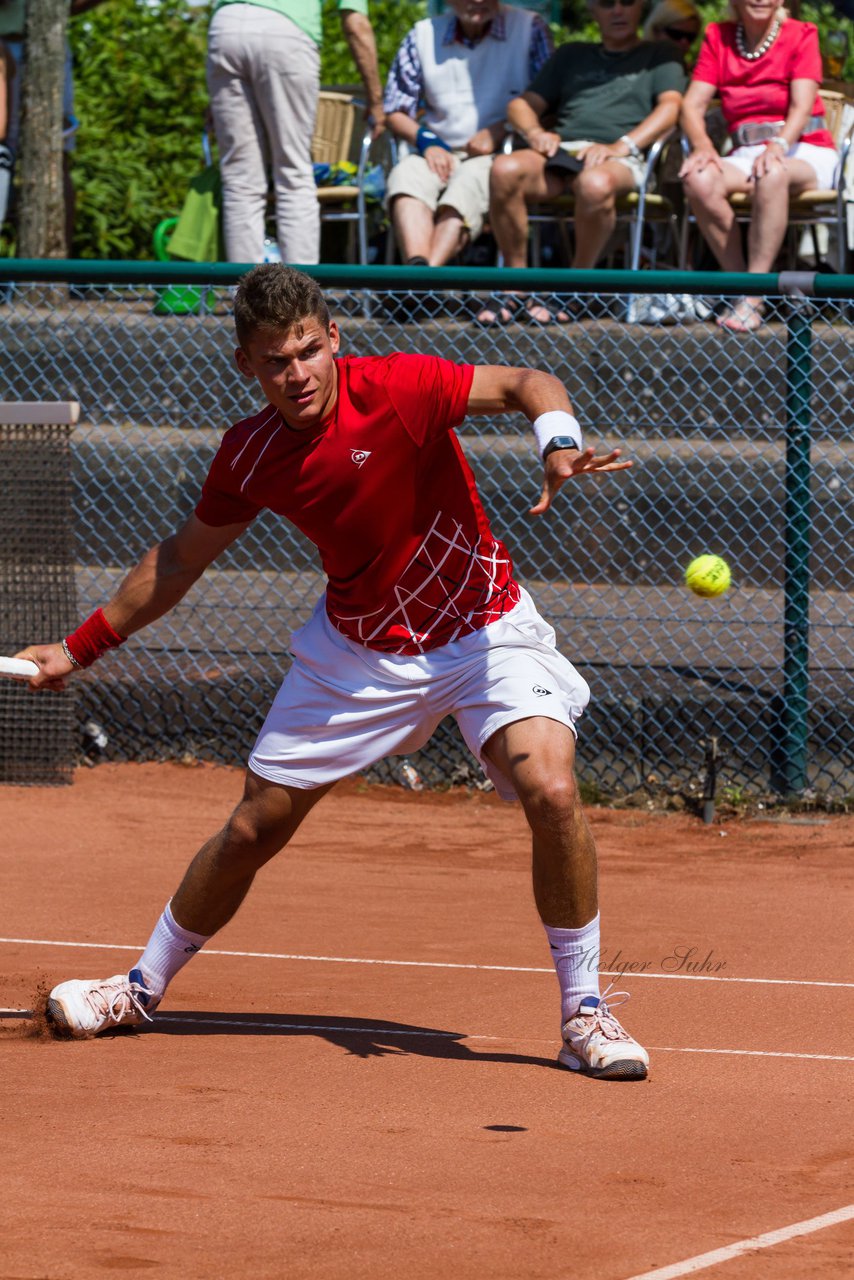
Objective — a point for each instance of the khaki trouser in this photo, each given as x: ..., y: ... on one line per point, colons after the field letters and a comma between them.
x: 264, y: 78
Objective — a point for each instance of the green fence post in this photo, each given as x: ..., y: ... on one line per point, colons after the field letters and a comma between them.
x: 798, y: 531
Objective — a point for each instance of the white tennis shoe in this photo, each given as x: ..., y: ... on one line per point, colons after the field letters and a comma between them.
x: 79, y: 1010
x: 594, y: 1042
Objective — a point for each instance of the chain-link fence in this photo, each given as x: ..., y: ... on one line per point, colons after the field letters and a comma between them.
x: 741, y: 445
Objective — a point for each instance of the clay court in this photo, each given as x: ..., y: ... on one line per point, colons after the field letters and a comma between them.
x: 357, y: 1078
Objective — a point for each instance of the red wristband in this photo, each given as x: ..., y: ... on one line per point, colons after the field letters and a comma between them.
x: 92, y: 639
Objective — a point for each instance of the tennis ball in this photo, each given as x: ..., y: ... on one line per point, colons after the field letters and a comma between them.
x: 708, y: 576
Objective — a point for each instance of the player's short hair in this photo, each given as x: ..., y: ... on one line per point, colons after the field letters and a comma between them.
x: 276, y: 297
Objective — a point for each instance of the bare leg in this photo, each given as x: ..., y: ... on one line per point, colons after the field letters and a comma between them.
x: 539, y: 756
x: 449, y: 237
x: 768, y: 224
x: 708, y: 193
x: 220, y: 875
x: 596, y: 191
x: 514, y: 180
x: 771, y: 211
x: 413, y: 227
x: 214, y: 886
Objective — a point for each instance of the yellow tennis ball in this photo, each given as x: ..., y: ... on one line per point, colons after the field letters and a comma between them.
x: 708, y: 576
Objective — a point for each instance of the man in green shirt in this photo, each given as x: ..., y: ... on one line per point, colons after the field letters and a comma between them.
x: 608, y: 102
x: 263, y: 74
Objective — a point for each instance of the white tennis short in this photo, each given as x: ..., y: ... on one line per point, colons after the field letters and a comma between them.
x: 342, y: 707
x: 824, y: 160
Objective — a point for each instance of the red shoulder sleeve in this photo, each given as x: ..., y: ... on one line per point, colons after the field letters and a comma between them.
x: 430, y: 395
x: 708, y: 59
x: 806, y: 54
x: 221, y: 501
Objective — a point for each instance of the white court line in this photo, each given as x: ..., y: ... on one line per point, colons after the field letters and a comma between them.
x: 435, y: 964
x: 389, y: 1032
x: 755, y: 1053
x: 765, y: 1241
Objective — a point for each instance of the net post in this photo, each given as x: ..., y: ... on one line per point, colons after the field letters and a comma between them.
x: 37, y: 583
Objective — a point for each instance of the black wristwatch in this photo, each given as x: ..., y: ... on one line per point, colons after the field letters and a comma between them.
x: 560, y: 442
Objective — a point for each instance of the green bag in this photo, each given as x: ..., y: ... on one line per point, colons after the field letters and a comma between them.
x: 194, y: 236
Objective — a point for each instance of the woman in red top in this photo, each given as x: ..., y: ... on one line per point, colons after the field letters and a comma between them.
x: 766, y: 68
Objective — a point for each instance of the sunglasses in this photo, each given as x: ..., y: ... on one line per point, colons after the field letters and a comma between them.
x: 610, y: 4
x: 674, y: 33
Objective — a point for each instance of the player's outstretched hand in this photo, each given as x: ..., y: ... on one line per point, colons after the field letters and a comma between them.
x: 563, y: 464
x: 52, y: 663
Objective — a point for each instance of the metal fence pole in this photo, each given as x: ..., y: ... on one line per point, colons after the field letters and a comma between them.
x: 798, y: 536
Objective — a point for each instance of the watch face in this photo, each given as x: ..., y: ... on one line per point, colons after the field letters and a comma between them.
x: 559, y: 442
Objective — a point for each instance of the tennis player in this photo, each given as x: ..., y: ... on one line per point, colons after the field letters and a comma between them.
x: 421, y: 618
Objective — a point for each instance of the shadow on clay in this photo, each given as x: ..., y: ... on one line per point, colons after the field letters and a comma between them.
x: 361, y: 1037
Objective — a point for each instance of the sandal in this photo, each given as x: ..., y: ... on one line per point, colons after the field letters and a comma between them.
x: 744, y: 316
x: 500, y: 310
x: 537, y: 312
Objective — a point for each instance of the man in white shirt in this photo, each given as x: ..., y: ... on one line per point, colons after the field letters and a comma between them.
x: 446, y: 99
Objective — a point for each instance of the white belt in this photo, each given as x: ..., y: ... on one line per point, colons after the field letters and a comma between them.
x: 750, y: 135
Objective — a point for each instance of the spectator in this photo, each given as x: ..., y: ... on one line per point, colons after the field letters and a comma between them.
x: 674, y: 21
x: 264, y: 78
x: 463, y: 69
x: 609, y: 101
x: 766, y: 68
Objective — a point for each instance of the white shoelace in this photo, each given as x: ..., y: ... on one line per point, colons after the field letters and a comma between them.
x: 123, y: 1001
x: 602, y: 1019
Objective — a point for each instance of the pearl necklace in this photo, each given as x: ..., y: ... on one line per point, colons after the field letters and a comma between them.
x: 760, y: 48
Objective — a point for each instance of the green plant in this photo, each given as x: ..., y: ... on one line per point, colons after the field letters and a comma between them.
x: 141, y: 99
x: 390, y: 19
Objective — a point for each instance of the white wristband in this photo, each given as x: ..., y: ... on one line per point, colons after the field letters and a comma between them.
x: 556, y: 423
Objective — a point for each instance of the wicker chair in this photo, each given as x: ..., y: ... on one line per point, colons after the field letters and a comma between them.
x: 338, y: 115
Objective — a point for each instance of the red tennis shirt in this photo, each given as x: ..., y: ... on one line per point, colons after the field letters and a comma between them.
x: 381, y: 487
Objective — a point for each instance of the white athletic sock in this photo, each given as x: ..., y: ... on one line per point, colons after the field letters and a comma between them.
x: 575, y: 953
x: 169, y: 948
